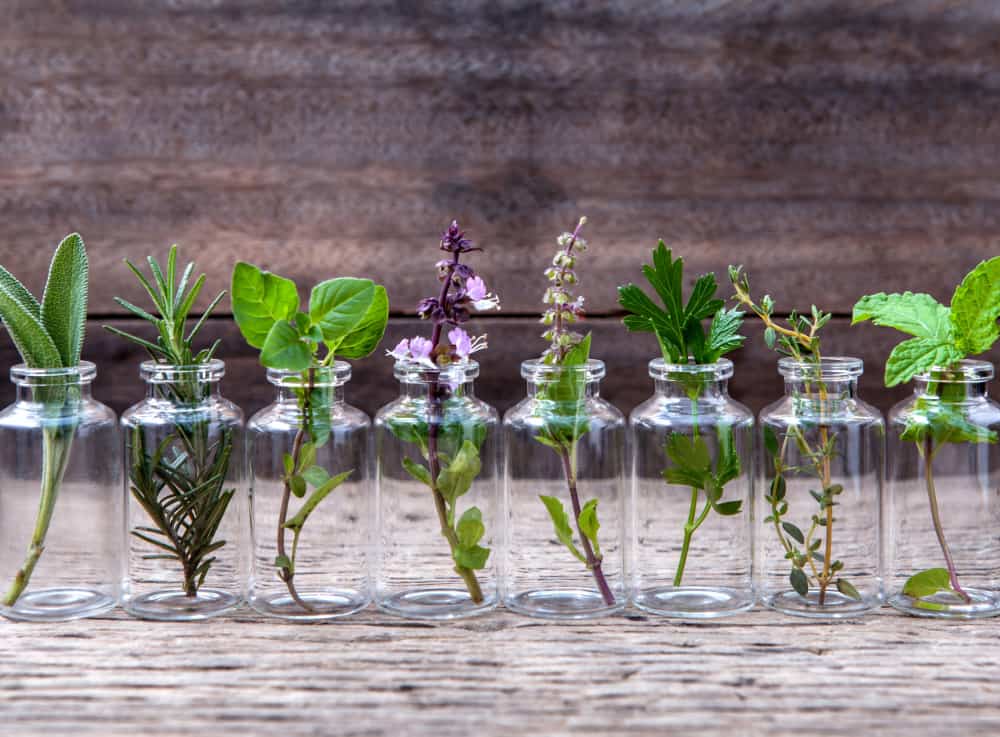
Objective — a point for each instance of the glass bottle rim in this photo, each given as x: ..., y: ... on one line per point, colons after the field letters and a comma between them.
x: 413, y: 372
x: 537, y: 371
x: 966, y: 371
x: 661, y: 370
x: 323, y: 376
x: 831, y: 368
x: 159, y: 372
x: 25, y: 375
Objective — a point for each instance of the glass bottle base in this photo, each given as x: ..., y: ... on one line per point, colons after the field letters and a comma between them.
x: 694, y: 602
x: 59, y: 605
x: 173, y: 605
x: 835, y: 606
x: 327, y: 604
x: 562, y: 604
x: 948, y: 605
x: 434, y: 603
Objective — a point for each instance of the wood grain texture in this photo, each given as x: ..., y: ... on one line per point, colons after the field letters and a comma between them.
x: 756, y: 674
x: 837, y: 147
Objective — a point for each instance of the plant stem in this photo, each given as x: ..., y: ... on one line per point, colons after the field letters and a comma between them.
x: 435, y: 418
x: 593, y: 562
x: 824, y: 579
x: 287, y: 574
x: 928, y: 455
x: 688, y: 532
x: 56, y: 446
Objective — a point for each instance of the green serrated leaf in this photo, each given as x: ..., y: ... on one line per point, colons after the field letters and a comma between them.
x: 723, y: 336
x: 310, y: 504
x: 944, y: 422
x: 917, y: 355
x: 560, y: 521
x: 260, y: 299
x: 919, y: 314
x: 927, y: 583
x: 975, y: 307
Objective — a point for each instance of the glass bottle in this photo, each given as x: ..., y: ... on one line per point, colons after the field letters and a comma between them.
x: 327, y: 542
x: 184, y: 495
x: 437, y: 490
x: 817, y: 535
x: 942, y: 506
x: 59, y: 498
x: 692, y: 450
x: 564, y: 496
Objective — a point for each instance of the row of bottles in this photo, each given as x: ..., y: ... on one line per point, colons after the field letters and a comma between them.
x: 438, y: 510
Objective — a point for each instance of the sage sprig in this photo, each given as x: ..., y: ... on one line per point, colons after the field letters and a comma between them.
x: 345, y: 317
x: 683, y: 340
x: 181, y: 482
x: 49, y: 335
x: 942, y: 336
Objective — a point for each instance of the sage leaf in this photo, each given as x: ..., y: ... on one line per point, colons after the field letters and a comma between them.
x: 30, y: 337
x: 64, y: 303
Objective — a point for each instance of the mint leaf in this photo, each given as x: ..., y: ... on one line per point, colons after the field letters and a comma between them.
x: 975, y: 307
x: 260, y: 299
x: 927, y: 583
x: 944, y: 422
x: 310, y: 504
x: 456, y: 477
x: 64, y: 304
x: 560, y: 521
x: 589, y: 524
x: 338, y: 305
x: 917, y: 355
x: 918, y: 314
x: 418, y: 472
x: 285, y: 349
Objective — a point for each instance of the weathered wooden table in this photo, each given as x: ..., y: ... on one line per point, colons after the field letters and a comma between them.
x: 756, y: 674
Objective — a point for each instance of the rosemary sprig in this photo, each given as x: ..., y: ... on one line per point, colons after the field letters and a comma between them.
x: 181, y: 484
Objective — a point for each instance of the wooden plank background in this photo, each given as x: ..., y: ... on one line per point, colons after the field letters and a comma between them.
x: 834, y: 148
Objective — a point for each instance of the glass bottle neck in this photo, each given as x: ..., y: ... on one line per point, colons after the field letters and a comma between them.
x: 821, y: 389
x: 289, y: 395
x: 422, y: 389
x: 954, y: 391
x: 189, y: 392
x: 536, y: 390
x: 693, y: 389
x: 53, y: 394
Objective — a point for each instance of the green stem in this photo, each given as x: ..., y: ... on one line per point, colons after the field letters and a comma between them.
x: 56, y: 446
x: 689, y: 529
x: 928, y: 454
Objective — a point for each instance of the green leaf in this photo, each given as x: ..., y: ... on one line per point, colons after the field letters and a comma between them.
x: 418, y: 472
x: 945, y: 422
x: 283, y: 561
x: 794, y: 532
x: 927, y: 583
x: 589, y: 525
x: 847, y: 589
x: 367, y: 334
x: 27, y: 331
x: 770, y: 441
x: 307, y: 456
x: 919, y: 315
x: 723, y: 335
x: 315, y: 476
x: 296, y: 522
x: 917, y: 355
x: 285, y: 349
x: 555, y: 445
x: 298, y: 486
x: 470, y: 528
x: 799, y: 581
x: 975, y: 307
x: 728, y: 509
x: 64, y: 304
x: 261, y: 299
x: 691, y: 459
x: 289, y: 464
x: 17, y: 292
x: 338, y: 305
x: 560, y: 521
x: 473, y: 558
x: 456, y: 477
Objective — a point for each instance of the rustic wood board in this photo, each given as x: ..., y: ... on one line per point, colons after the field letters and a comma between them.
x: 755, y: 674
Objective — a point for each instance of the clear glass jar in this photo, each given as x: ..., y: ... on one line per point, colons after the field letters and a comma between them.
x: 817, y: 540
x: 329, y: 550
x: 60, y: 506
x: 692, y: 471
x: 184, y: 496
x: 560, y: 562
x: 942, y: 507
x: 438, y: 495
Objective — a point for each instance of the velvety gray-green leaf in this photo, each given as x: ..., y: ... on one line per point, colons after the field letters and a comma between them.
x: 28, y: 333
x: 64, y: 304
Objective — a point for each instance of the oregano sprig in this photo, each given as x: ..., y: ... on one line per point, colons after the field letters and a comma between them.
x: 942, y: 336
x: 345, y: 317
x: 678, y: 326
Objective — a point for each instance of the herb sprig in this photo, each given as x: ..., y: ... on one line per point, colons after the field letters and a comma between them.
x: 49, y: 335
x: 942, y: 336
x: 679, y: 330
x: 345, y: 317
